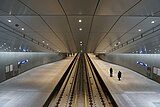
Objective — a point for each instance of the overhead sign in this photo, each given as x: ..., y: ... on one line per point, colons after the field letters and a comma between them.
x: 23, y: 62
x: 142, y: 63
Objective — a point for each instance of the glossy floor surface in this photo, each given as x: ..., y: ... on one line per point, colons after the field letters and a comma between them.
x: 32, y: 88
x: 134, y: 90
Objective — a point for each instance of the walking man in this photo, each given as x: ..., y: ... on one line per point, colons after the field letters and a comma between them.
x: 119, y: 75
x: 111, y: 72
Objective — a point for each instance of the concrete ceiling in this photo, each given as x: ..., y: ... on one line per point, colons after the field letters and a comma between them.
x: 53, y: 25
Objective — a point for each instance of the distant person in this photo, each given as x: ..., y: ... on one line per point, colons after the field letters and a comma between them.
x: 149, y: 72
x: 119, y: 75
x: 19, y: 65
x: 111, y: 72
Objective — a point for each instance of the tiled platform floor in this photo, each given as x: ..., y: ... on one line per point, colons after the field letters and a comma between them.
x: 134, y: 90
x: 32, y: 88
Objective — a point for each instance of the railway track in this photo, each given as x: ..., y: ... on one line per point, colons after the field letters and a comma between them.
x: 81, y: 87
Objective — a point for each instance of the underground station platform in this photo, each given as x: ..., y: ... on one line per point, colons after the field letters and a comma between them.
x: 79, y: 81
x: 79, y: 53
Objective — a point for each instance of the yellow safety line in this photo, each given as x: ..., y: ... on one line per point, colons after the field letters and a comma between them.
x: 85, y: 99
x: 75, y: 101
x: 85, y: 93
x: 76, y: 93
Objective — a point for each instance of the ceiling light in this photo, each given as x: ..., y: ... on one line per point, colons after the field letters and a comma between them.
x: 4, y: 43
x: 14, y: 48
x: 9, y: 47
x: 22, y: 28
x: 79, y: 21
x: 47, y: 43
x: 139, y: 30
x: 81, y: 42
x: 9, y: 21
x: 153, y: 21
x: 80, y: 29
x: 43, y: 41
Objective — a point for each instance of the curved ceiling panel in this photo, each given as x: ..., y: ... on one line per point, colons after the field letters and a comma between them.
x: 61, y: 25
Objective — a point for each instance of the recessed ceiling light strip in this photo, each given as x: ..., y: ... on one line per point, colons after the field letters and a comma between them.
x: 44, y: 22
x: 147, y: 33
x: 116, y: 23
x: 30, y: 28
x: 21, y: 35
x: 131, y: 28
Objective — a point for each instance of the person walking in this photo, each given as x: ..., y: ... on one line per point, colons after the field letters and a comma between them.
x: 111, y: 72
x: 119, y: 75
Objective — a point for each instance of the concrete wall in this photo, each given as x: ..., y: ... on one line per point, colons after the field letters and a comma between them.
x: 130, y: 61
x: 34, y: 59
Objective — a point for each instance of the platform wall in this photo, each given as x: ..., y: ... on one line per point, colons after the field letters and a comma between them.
x: 130, y: 61
x: 34, y: 59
